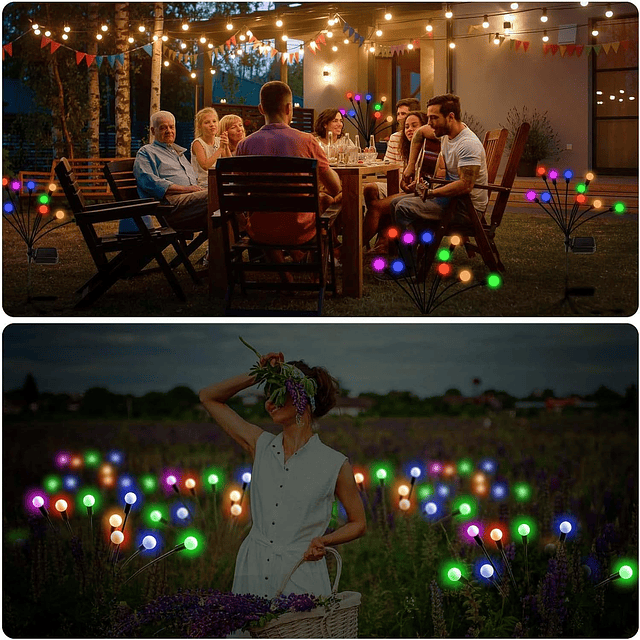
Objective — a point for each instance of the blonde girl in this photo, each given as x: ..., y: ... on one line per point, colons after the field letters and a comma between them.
x: 207, y: 146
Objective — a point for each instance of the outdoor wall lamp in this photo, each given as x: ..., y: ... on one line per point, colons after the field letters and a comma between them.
x: 326, y: 74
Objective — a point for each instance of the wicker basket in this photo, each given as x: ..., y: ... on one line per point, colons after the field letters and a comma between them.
x: 336, y: 620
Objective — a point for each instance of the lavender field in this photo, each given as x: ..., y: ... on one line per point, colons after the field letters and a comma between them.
x: 420, y: 574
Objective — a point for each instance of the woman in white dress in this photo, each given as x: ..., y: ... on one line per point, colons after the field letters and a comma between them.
x: 207, y: 146
x: 295, y: 479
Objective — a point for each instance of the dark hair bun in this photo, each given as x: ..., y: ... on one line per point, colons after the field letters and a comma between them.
x: 328, y: 387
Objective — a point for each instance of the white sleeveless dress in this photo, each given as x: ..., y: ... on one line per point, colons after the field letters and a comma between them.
x: 210, y: 149
x: 290, y: 505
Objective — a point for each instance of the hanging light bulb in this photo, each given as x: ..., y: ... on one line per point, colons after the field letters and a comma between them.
x: 545, y: 37
x: 47, y: 33
x: 35, y: 26
x: 452, y: 45
x: 67, y: 29
x: 514, y: 5
x: 229, y: 25
x: 496, y: 39
x: 285, y: 37
x: 141, y: 28
x: 155, y: 38
x: 98, y: 36
x: 429, y: 26
x: 185, y: 26
x: 410, y: 46
x: 279, y: 22
x: 485, y: 22
x: 104, y: 28
x: 595, y: 33
x: 165, y: 38
x: 203, y: 40
x: 209, y: 45
x: 212, y: 71
x: 372, y: 49
x: 166, y: 63
x: 65, y: 36
x: 387, y: 15
x: 608, y: 13
x: 242, y: 37
x: 334, y: 48
x: 183, y: 45
x: 544, y: 17
x: 584, y: 3
x: 193, y: 75
x: 448, y: 14
x: 378, y: 32
x: 346, y: 41
x: 130, y: 39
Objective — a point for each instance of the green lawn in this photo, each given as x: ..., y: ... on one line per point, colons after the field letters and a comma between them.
x: 531, y: 248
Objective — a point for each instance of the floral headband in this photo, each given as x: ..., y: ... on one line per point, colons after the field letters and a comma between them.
x: 284, y: 378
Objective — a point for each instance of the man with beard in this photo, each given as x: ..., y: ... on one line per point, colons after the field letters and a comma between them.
x: 462, y: 160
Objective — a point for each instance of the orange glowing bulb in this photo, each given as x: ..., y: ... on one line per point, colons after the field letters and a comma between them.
x: 403, y: 490
x: 581, y: 198
x: 115, y: 520
x: 444, y: 269
x: 359, y: 478
x: 236, y: 510
x: 404, y: 504
x: 465, y: 275
x: 590, y: 176
x: 496, y: 534
x: 455, y: 240
x: 117, y: 537
x: 61, y: 505
x: 190, y: 483
x: 597, y: 204
x: 392, y: 233
x: 235, y: 496
x: 52, y: 186
x: 59, y: 214
x: 448, y: 470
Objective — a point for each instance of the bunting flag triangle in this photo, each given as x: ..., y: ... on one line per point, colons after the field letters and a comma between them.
x: 579, y: 50
x: 148, y: 48
x: 274, y: 52
x: 563, y: 48
x: 518, y: 43
x: 313, y: 46
x: 615, y: 46
x: 253, y: 38
x: 512, y: 44
x: 297, y: 56
x: 54, y: 46
x: 361, y: 39
x: 291, y: 58
x: 570, y: 49
x: 545, y: 48
x: 356, y: 37
x: 597, y: 48
x: 8, y: 48
x: 233, y: 40
x: 351, y: 32
x: 79, y: 56
x: 554, y: 49
x: 119, y: 59
x: 588, y: 48
x: 606, y: 47
x: 99, y: 61
x: 525, y: 45
x: 112, y: 60
x: 345, y: 27
x: 88, y: 58
x: 322, y: 38
x: 44, y: 42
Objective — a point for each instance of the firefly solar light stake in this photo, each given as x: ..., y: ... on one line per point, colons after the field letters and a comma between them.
x: 474, y: 532
x: 88, y: 502
x: 190, y: 543
x: 524, y: 530
x: 496, y: 536
x: 213, y: 481
x: 38, y: 503
x: 148, y: 543
x: 61, y: 506
x: 625, y: 572
x: 487, y: 572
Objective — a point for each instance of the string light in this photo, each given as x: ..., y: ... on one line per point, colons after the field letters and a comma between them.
x: 203, y: 40
x: 544, y: 17
x: 66, y: 37
x: 485, y: 22
x: 584, y: 3
x: 67, y: 29
x: 545, y: 37
x: 429, y: 26
x: 98, y: 36
x: 285, y: 37
x: 378, y: 32
x: 185, y: 26
x: 183, y: 45
x: 104, y: 28
x: 193, y: 75
x: 279, y: 22
x: 229, y: 26
x: 514, y: 6
x: 410, y: 46
x: 47, y: 33
x: 166, y: 63
x: 141, y: 28
x: 155, y: 38
x: 129, y: 39
x: 388, y: 16
x: 496, y: 39
x: 448, y: 14
x: 372, y: 49
x: 346, y: 41
x: 334, y: 48
x: 595, y: 33
x: 609, y: 12
x: 452, y: 45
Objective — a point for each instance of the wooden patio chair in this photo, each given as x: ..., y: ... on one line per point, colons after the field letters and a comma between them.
x: 123, y: 185
x: 117, y: 255
x: 263, y: 186
x: 478, y: 235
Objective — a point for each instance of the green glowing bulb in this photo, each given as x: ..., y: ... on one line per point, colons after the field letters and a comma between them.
x: 581, y: 188
x: 522, y: 491
x: 190, y: 543
x: 444, y: 255
x: 91, y: 458
x: 524, y: 529
x: 465, y: 467
x: 465, y: 509
x: 149, y: 483
x: 213, y: 478
x: 454, y: 574
x: 619, y: 207
x: 52, y: 483
x: 377, y: 107
x: 155, y: 516
x: 494, y: 281
x: 88, y: 500
x: 44, y: 199
x: 381, y: 474
x: 625, y: 572
x: 425, y: 491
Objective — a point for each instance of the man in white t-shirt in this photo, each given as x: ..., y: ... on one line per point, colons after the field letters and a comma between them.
x: 462, y: 160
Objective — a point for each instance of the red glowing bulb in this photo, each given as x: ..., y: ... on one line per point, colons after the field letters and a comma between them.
x: 444, y: 269
x: 541, y: 171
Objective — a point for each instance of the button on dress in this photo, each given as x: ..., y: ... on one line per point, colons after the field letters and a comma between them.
x: 291, y: 504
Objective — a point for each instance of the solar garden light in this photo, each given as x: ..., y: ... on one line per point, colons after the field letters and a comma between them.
x: 190, y: 484
x: 61, y: 506
x: 403, y: 492
x: 487, y: 572
x: 463, y: 510
x: 524, y: 530
x: 156, y: 517
x: 474, y: 532
x: 246, y: 479
x: 359, y: 478
x: 381, y: 474
x: 415, y: 474
x: 430, y: 508
x: 148, y: 542
x: 455, y: 575
x: 496, y: 536
x: 130, y: 499
x: 213, y: 480
x: 625, y: 572
x: 117, y: 537
x: 38, y: 503
x: 172, y: 481
x: 190, y: 543
x: 565, y: 528
x: 88, y: 501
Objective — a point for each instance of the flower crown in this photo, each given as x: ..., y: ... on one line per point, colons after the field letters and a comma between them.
x: 283, y: 378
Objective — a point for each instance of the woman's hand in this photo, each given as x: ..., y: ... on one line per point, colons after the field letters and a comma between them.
x: 224, y: 139
x: 271, y: 359
x: 316, y: 550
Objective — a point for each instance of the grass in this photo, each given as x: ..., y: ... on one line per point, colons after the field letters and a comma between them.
x: 530, y: 244
x: 583, y: 464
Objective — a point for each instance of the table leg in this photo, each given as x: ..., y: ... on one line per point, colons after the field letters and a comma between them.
x: 351, y: 254
x: 217, y: 265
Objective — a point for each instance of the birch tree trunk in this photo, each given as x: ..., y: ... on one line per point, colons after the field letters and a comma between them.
x: 156, y: 60
x: 94, y: 87
x: 123, y: 92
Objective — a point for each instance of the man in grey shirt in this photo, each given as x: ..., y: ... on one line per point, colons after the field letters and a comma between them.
x: 162, y: 172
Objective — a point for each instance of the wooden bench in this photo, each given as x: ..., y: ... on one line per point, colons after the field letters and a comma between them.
x: 89, y: 176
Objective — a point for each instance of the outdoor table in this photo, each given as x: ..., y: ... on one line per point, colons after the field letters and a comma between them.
x: 351, y: 177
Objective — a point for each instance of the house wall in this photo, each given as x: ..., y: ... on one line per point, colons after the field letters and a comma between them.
x: 489, y: 79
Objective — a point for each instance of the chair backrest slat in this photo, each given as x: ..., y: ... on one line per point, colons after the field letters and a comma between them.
x: 69, y: 184
x: 494, y: 144
x: 122, y: 182
x: 517, y: 149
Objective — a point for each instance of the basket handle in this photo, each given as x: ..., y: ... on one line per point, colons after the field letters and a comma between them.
x: 334, y: 588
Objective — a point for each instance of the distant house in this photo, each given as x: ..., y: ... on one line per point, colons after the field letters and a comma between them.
x: 351, y: 406
x: 556, y: 405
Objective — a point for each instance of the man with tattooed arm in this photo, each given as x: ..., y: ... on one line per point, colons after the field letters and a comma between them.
x: 462, y: 160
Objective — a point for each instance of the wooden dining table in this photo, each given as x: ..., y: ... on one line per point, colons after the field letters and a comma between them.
x: 352, y: 178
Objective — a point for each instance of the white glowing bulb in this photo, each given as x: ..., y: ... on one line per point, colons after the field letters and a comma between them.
x: 61, y: 505
x: 359, y: 478
x: 182, y: 513
x: 203, y: 40
x: 190, y: 483
x: 149, y: 542
x: 165, y: 38
x: 35, y: 26
x: 185, y: 26
x: 183, y: 45
x: 47, y: 33
x: 473, y: 531
x: 190, y: 543
x: 38, y: 502
x: 171, y: 480
x: 452, y: 45
x: 404, y: 504
x: 448, y: 14
x: 285, y: 37
x: 36, y: 31
x: 66, y: 37
x: 130, y: 498
x: 410, y: 46
x: 117, y: 537
x: 246, y: 477
x: 141, y: 28
x: 514, y: 5
x: 378, y: 32
x: 486, y: 571
x: 236, y: 510
x: 565, y: 527
x: 99, y: 36
x: 334, y: 48
x: 155, y: 38
x: 130, y: 40
x: 166, y: 63
x: 415, y: 472
x: 346, y: 41
x: 115, y: 520
x: 104, y: 28
x: 235, y: 495
x: 388, y: 16
x: 430, y: 508
x: 229, y: 26
x: 279, y: 22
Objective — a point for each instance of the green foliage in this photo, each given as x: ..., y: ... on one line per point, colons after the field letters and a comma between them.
x: 543, y: 141
x: 474, y: 124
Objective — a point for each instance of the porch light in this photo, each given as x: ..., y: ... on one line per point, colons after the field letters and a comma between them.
x: 485, y: 22
x: 544, y: 17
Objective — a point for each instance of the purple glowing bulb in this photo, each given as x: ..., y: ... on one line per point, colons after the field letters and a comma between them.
x: 408, y: 237
x: 378, y: 264
x: 37, y: 502
x: 357, y: 97
x: 15, y: 185
x: 531, y: 196
x: 553, y: 174
x: 171, y: 480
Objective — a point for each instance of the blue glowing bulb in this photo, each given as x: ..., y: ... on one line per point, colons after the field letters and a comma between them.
x: 8, y: 207
x: 545, y: 197
x: 397, y: 266
x: 415, y: 472
x: 568, y: 174
x: 31, y: 185
x: 427, y: 237
x: 352, y: 113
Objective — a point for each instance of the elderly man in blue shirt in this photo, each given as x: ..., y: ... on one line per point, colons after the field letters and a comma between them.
x: 162, y: 172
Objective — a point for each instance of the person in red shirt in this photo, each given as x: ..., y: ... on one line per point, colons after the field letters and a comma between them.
x: 277, y: 138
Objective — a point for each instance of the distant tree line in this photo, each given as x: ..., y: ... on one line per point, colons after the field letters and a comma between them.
x: 182, y: 403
